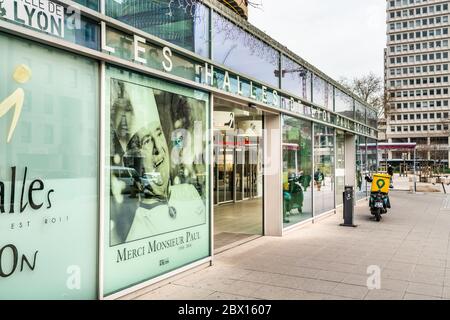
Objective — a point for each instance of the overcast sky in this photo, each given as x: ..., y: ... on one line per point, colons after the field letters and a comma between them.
x: 340, y: 37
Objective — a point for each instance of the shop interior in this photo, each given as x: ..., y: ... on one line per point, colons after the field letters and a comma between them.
x: 238, y: 173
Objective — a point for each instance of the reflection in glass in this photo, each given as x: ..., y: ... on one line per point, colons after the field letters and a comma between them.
x: 55, y: 141
x: 372, y: 118
x: 186, y: 26
x: 323, y: 169
x: 297, y: 170
x: 372, y: 163
x: 361, y: 169
x: 86, y: 34
x: 360, y: 112
x: 243, y: 52
x: 295, y: 78
x: 123, y: 48
x: 91, y: 4
x: 343, y: 104
x: 322, y: 93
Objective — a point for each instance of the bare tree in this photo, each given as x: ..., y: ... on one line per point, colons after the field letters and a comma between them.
x: 370, y: 89
x: 254, y: 4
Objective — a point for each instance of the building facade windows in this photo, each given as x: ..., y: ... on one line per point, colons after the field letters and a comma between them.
x: 297, y: 170
x: 115, y: 144
x: 54, y: 153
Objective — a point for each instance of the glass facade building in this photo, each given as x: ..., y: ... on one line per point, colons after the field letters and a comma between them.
x: 131, y: 126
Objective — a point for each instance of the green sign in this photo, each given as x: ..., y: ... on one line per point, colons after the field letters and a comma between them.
x: 48, y: 173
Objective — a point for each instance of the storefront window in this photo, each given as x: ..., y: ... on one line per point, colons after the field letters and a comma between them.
x: 361, y: 167
x: 360, y: 112
x: 340, y: 166
x: 372, y: 118
x: 153, y: 55
x: 86, y: 35
x: 323, y: 169
x: 91, y: 4
x: 243, y: 52
x: 66, y: 23
x: 297, y: 170
x: 49, y: 168
x: 343, y: 104
x: 157, y: 178
x: 322, y: 93
x: 295, y: 78
x: 184, y: 24
x: 372, y: 160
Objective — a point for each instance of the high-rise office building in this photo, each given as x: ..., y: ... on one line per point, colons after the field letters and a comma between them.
x: 417, y: 78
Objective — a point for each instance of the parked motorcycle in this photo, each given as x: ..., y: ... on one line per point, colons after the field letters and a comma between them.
x: 379, y: 195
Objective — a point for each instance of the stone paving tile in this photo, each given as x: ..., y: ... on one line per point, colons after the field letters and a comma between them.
x: 430, y: 270
x: 215, y: 284
x: 405, y: 258
x: 176, y: 292
x: 384, y: 295
x: 317, y: 286
x: 356, y: 279
x: 226, y: 296
x: 350, y: 291
x: 400, y: 266
x: 299, y: 271
x: 394, y: 285
x: 425, y: 289
x: 431, y: 262
x: 397, y: 274
x: 278, y: 293
x: 340, y: 267
x: 412, y: 296
x: 427, y: 278
x: 332, y: 297
x: 243, y: 288
x: 324, y: 261
x: 446, y: 293
x: 333, y: 276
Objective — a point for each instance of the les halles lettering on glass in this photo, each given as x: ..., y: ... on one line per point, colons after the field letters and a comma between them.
x: 33, y: 188
x: 223, y: 80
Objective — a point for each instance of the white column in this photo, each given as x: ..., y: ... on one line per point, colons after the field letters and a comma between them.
x: 273, y: 170
x: 350, y: 160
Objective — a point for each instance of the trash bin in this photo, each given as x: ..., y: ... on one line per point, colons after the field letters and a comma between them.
x: 349, y: 206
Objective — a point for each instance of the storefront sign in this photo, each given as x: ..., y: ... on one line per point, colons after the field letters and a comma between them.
x: 223, y: 120
x: 42, y: 15
x: 48, y: 183
x: 164, y: 59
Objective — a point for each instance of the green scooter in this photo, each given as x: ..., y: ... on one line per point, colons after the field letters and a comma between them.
x: 294, y: 197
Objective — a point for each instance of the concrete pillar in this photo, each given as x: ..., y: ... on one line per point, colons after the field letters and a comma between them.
x: 428, y: 145
x: 273, y: 171
x: 350, y: 160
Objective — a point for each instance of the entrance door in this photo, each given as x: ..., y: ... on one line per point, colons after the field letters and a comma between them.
x: 224, y: 166
x: 238, y: 180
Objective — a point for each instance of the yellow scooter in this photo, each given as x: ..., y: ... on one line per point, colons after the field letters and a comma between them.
x: 379, y: 194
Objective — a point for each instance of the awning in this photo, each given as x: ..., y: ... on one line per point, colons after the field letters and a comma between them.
x: 393, y: 146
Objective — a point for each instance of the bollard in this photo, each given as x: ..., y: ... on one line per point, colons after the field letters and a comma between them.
x: 349, y: 207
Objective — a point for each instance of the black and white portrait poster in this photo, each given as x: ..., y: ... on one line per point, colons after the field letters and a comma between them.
x: 158, y: 209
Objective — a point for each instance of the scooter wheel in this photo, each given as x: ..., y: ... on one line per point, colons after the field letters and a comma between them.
x: 378, y: 215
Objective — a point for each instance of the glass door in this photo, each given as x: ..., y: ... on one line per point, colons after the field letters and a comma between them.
x: 228, y: 175
x: 239, y: 174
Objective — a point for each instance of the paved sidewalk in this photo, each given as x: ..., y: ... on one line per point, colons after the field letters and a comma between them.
x: 325, y: 261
